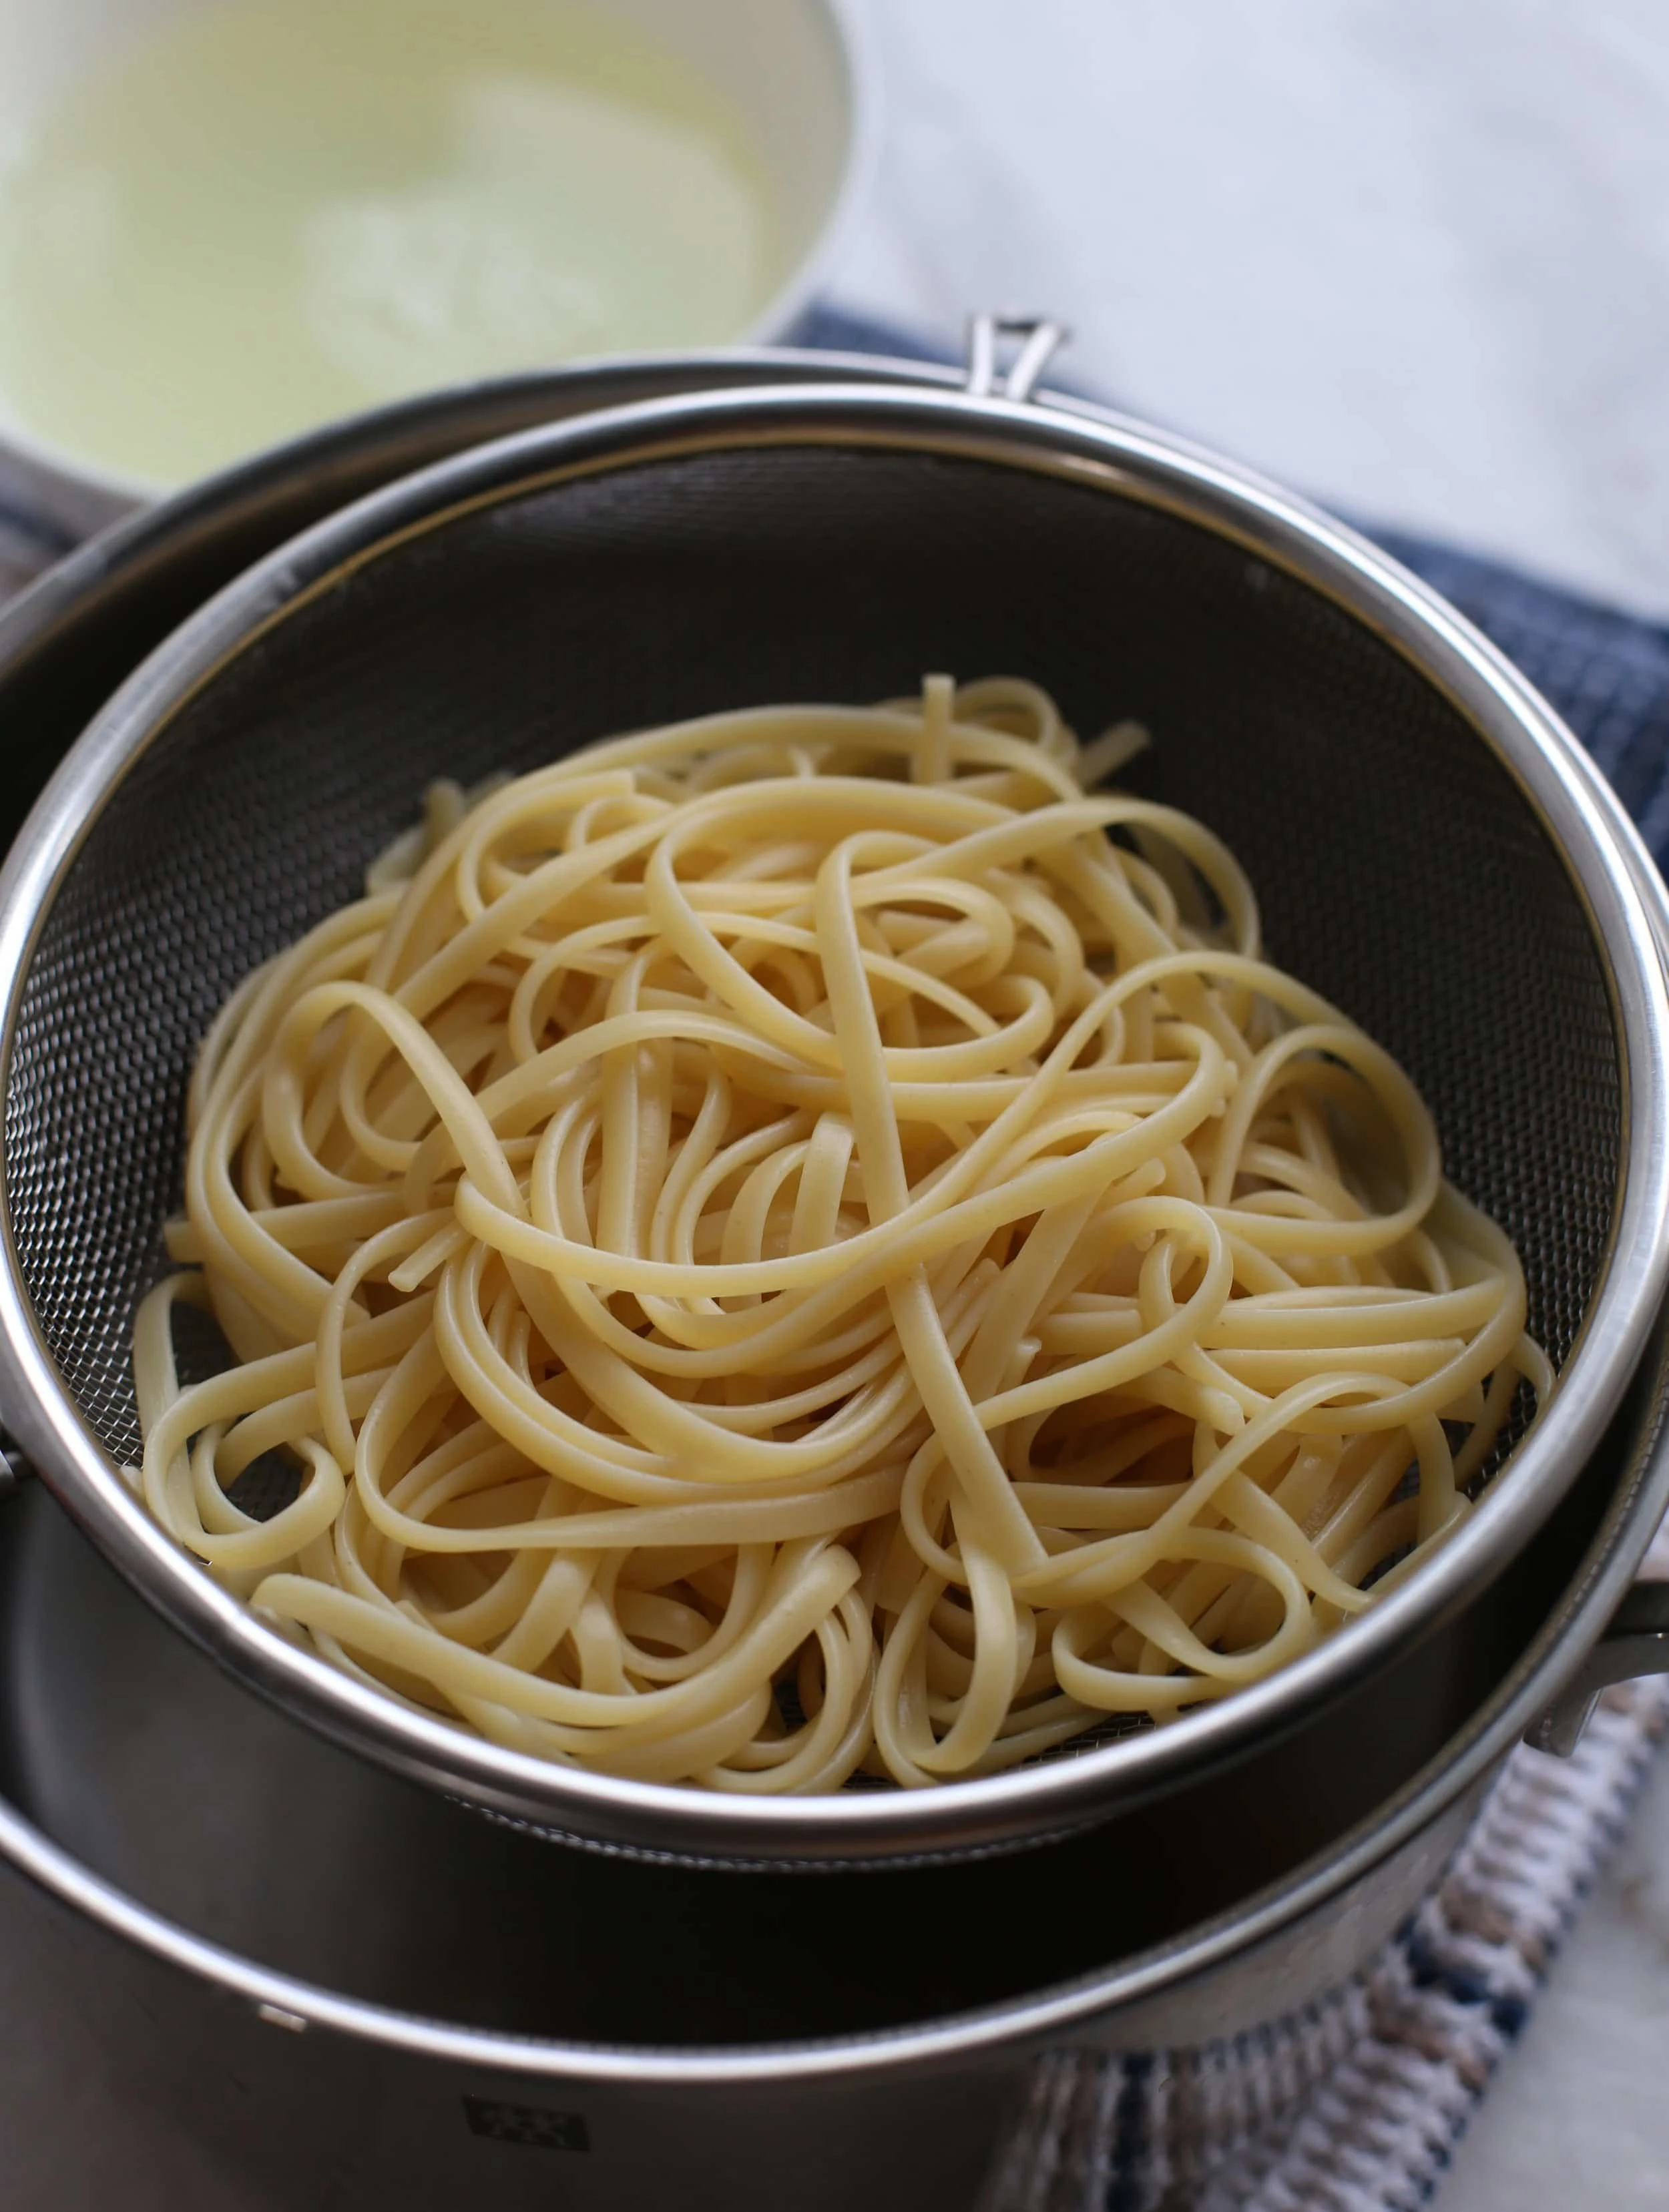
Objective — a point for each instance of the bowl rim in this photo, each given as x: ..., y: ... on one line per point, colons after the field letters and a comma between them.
x: 1117, y: 456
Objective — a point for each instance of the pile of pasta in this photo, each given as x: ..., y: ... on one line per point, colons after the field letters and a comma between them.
x: 810, y: 1242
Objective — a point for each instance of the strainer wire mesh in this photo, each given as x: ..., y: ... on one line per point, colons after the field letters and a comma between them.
x: 1400, y: 870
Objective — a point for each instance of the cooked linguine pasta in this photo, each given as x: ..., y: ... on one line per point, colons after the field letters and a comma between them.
x: 811, y: 1242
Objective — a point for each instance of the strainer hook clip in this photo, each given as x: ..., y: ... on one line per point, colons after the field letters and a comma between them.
x: 1039, y: 336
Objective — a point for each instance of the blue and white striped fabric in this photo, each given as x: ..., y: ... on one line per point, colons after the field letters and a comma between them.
x: 1357, y: 2104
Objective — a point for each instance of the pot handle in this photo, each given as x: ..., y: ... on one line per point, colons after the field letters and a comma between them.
x: 1635, y: 1643
x: 1038, y: 337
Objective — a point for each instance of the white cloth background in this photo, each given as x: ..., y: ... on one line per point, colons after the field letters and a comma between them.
x: 1411, y: 255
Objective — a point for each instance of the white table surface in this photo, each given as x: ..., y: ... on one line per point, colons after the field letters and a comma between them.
x: 1413, y: 257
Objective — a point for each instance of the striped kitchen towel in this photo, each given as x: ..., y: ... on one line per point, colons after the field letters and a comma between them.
x: 1357, y: 2104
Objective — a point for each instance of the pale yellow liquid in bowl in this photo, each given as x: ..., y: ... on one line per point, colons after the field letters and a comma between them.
x: 274, y: 212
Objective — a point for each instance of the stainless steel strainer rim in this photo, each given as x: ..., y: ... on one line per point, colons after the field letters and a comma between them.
x: 1128, y: 460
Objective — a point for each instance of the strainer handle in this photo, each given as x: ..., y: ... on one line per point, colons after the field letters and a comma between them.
x: 1636, y: 1643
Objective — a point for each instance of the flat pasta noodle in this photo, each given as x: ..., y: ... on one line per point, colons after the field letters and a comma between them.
x: 808, y: 1243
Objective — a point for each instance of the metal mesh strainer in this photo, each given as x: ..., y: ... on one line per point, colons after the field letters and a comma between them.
x: 1429, y: 849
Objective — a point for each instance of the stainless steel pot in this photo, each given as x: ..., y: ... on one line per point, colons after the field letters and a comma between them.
x: 1468, y: 880
x: 171, y: 1943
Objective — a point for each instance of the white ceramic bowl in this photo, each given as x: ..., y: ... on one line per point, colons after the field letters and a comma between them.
x: 788, y: 68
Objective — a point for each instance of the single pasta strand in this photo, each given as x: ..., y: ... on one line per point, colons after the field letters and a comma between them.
x: 811, y: 1241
